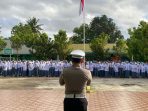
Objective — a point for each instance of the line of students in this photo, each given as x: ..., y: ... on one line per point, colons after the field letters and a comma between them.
x: 118, y: 69
x: 32, y: 68
x: 54, y: 68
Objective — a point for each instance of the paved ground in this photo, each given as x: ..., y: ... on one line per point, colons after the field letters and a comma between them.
x: 44, y: 94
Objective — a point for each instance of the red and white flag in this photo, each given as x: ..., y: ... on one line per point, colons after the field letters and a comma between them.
x: 82, y: 2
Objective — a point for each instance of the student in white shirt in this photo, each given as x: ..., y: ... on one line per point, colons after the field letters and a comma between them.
x: 91, y: 68
x: 9, y: 68
x: 142, y: 71
x: 60, y: 69
x: 30, y: 68
x: 147, y: 70
x: 127, y: 70
x: 106, y: 68
x: 46, y: 69
x: 5, y: 67
x: 24, y: 66
x: 56, y: 70
x: 116, y: 70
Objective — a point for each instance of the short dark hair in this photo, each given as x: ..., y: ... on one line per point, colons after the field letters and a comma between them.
x: 76, y: 60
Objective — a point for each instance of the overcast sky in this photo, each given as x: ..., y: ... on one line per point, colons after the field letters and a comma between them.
x: 64, y: 14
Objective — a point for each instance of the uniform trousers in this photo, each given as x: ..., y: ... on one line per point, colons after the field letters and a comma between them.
x: 75, y: 104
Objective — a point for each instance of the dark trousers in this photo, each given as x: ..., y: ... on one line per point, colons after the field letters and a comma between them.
x: 75, y: 104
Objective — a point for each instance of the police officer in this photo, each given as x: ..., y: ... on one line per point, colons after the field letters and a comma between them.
x: 75, y: 79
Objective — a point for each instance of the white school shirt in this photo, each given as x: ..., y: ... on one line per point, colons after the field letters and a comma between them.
x: 56, y: 67
x: 106, y: 67
x: 138, y: 68
x: 91, y: 67
x: 19, y: 65
x: 46, y: 67
x: 43, y: 66
x: 135, y: 68
x: 97, y: 66
x: 142, y: 68
x: 127, y: 67
x: 5, y: 66
x: 0, y: 64
x: 132, y: 67
x: 101, y: 67
x: 40, y: 66
x: 9, y: 65
x: 87, y: 66
x: 30, y: 67
x: 115, y: 68
x: 147, y: 68
x: 61, y: 68
x: 24, y: 65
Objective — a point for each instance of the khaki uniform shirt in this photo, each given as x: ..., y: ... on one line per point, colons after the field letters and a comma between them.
x: 75, y: 80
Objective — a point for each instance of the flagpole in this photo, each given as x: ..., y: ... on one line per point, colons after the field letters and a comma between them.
x: 84, y: 29
x: 84, y: 26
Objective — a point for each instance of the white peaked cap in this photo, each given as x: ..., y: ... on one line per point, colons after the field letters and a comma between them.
x: 77, y: 54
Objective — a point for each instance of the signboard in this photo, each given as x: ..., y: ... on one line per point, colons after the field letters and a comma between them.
x: 8, y: 51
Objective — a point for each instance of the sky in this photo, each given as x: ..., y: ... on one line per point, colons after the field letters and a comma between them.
x: 64, y: 14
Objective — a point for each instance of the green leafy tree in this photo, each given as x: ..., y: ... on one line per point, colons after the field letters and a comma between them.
x: 78, y: 36
x: 16, y: 43
x: 2, y: 43
x: 138, y: 42
x: 105, y: 25
x: 43, y: 47
x: 21, y: 33
x: 29, y: 35
x: 120, y: 47
x: 25, y: 33
x: 30, y: 42
x: 97, y: 45
x: 62, y: 44
x: 33, y: 23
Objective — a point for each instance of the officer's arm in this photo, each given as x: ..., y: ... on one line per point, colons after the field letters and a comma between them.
x: 61, y: 80
x: 89, y: 78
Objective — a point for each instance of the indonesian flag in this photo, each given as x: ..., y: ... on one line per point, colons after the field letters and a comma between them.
x: 81, y: 6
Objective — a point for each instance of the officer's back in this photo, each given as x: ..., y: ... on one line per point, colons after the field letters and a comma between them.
x: 75, y: 79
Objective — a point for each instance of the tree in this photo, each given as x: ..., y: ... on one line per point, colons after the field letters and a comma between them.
x: 105, y: 25
x: 16, y: 43
x: 97, y: 45
x: 23, y: 31
x: 2, y: 43
x: 21, y: 35
x: 33, y: 23
x: 120, y: 47
x: 78, y: 36
x: 61, y: 44
x: 138, y: 42
x: 43, y: 47
x: 36, y: 28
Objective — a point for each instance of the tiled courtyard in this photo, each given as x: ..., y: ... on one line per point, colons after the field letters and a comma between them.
x: 30, y: 98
